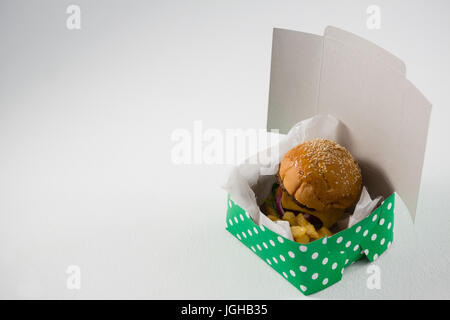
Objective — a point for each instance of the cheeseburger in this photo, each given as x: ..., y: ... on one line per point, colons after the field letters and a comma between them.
x: 318, y: 181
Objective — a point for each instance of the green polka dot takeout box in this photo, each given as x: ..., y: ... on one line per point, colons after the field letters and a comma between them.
x: 319, y: 264
x: 353, y: 92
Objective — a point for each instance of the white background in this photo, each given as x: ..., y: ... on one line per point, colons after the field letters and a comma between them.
x: 86, y: 118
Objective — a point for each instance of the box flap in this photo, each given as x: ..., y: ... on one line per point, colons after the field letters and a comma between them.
x: 367, y: 48
x: 294, y: 78
x: 384, y: 117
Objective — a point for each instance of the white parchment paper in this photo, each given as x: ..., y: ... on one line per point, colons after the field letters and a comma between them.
x: 253, y: 180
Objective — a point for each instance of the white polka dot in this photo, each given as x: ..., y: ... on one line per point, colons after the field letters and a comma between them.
x: 262, y: 228
x: 382, y: 241
x: 325, y: 261
x: 285, y: 275
x: 346, y: 261
x: 272, y: 243
x: 303, y: 268
x: 389, y: 244
x: 356, y: 247
x: 358, y: 229
x: 334, y: 266
x: 375, y: 256
x: 339, y: 240
x: 249, y: 232
x: 374, y: 236
x: 348, y: 244
x: 259, y: 247
x: 389, y: 206
x: 314, y: 255
x: 381, y: 222
x: 238, y: 236
x: 324, y: 241
x: 246, y: 213
x: 325, y: 281
x: 315, y: 276
x: 291, y: 254
x: 366, y: 252
x: 231, y: 222
x: 303, y: 248
x: 256, y: 230
x: 282, y: 258
x: 230, y: 204
x: 253, y: 248
x: 374, y: 217
x: 244, y: 235
x: 365, y: 233
x: 275, y: 260
x: 303, y: 288
x: 342, y: 271
x: 389, y: 226
x: 268, y: 261
x: 236, y: 220
x: 265, y: 245
x: 280, y: 239
x: 242, y: 217
x: 292, y: 273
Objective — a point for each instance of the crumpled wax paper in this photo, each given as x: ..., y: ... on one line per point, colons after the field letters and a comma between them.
x: 250, y: 183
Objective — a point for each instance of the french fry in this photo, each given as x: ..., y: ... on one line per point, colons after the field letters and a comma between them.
x: 299, y: 234
x: 301, y: 220
x: 298, y: 231
x: 271, y: 211
x: 273, y: 218
x: 304, y: 239
x: 311, y: 232
x: 290, y: 216
x: 324, y: 232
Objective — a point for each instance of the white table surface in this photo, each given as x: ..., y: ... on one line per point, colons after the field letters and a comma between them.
x: 86, y: 119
